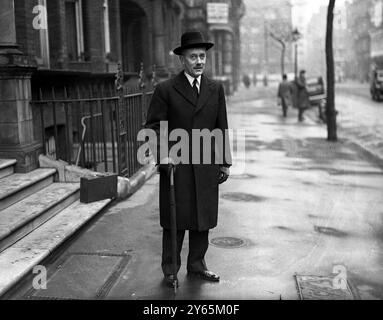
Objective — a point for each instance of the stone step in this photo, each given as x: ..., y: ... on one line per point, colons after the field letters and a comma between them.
x: 6, y: 167
x: 20, y: 259
x: 18, y: 186
x: 21, y: 218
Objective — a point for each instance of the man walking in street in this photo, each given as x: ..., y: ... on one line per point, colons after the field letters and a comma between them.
x: 190, y: 101
x: 284, y: 94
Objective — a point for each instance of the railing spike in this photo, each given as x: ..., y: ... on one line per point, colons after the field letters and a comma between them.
x: 142, y: 77
x: 154, y: 80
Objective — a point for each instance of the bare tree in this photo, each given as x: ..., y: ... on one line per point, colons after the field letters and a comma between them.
x: 282, y: 40
x: 330, y: 109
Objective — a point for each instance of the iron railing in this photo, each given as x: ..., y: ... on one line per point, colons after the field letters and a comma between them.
x: 98, y: 132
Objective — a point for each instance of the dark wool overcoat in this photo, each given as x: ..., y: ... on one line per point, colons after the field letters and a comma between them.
x: 196, y: 185
x: 303, y: 95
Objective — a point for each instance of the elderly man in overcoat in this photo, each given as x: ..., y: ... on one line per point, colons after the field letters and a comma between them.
x: 190, y: 101
x: 303, y: 96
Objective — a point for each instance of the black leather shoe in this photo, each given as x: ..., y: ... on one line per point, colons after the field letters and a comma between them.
x: 205, y: 275
x: 171, y: 281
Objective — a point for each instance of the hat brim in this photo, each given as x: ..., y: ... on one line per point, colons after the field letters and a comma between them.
x: 207, y: 45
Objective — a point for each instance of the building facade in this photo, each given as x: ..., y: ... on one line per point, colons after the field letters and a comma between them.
x: 359, y: 25
x: 261, y: 52
x: 315, y: 35
x: 70, y: 48
x: 376, y: 34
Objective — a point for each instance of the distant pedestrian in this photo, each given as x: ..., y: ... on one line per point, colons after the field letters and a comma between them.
x: 265, y: 82
x: 285, y: 94
x: 246, y: 80
x: 303, y: 96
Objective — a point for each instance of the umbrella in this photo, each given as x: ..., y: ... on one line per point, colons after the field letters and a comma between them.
x: 173, y: 226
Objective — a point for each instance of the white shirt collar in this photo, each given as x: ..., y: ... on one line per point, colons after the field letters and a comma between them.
x: 191, y: 79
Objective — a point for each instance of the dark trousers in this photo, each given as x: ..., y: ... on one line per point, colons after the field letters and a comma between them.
x: 198, y: 244
x: 300, y: 113
x: 284, y: 107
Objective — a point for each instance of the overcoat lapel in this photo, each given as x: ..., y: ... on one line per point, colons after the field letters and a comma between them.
x: 204, y: 93
x: 183, y: 87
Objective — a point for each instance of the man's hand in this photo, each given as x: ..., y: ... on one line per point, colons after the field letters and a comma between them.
x: 224, y: 174
x: 166, y: 164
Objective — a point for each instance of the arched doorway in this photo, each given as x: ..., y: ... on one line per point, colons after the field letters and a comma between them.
x: 134, y: 36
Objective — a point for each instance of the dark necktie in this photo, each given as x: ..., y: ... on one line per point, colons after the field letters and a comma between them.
x: 195, y: 88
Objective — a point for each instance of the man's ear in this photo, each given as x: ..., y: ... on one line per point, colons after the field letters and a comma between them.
x: 181, y: 59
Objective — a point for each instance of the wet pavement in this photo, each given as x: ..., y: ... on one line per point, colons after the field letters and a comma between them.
x: 301, y: 206
x: 359, y: 117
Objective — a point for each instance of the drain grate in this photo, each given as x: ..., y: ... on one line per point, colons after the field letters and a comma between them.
x: 228, y: 242
x: 312, y: 287
x: 83, y: 275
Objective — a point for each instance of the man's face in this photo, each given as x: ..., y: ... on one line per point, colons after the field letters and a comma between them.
x: 194, y: 61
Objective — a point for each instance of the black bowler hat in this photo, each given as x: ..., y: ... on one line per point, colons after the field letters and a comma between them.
x: 192, y: 39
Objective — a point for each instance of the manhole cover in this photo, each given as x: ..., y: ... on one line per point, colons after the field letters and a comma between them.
x: 228, y: 242
x: 311, y: 287
x: 240, y: 196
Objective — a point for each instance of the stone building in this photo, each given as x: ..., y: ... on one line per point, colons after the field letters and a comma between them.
x: 376, y: 34
x: 60, y: 49
x: 261, y: 53
x: 315, y: 47
x: 359, y: 25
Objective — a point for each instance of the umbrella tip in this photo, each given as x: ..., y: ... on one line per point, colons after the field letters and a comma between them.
x: 175, y: 285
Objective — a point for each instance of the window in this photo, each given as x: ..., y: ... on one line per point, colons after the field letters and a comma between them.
x: 41, y: 34
x: 74, y: 27
x: 106, y: 27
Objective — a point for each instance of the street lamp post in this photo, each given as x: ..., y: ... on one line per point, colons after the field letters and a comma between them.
x: 296, y: 59
x: 296, y: 35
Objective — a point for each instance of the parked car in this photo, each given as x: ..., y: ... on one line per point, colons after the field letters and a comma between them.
x: 317, y: 95
x: 376, y: 84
